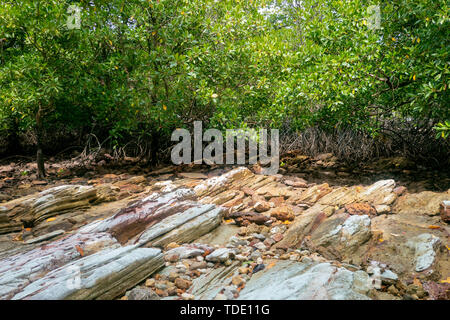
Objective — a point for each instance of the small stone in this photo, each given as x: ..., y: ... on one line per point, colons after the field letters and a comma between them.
x: 306, y: 259
x: 220, y: 296
x: 172, y: 257
x: 243, y: 270
x: 183, y: 283
x: 269, y: 242
x: 172, y: 291
x: 242, y: 231
x: 200, y: 258
x: 259, y: 260
x: 255, y: 255
x: 360, y: 209
x: 237, y: 281
x: 278, y: 229
x: 235, y: 242
x: 228, y: 262
x: 283, y: 213
x: 150, y: 282
x: 294, y: 257
x: 300, y: 183
x: 277, y: 237
x: 258, y: 268
x: 240, y: 257
x: 220, y: 255
x: 393, y: 290
x: 388, y: 276
x: 258, y: 236
x: 187, y: 296
x: 173, y: 275
x: 141, y: 293
x: 260, y: 246
x: 382, y: 209
x: 161, y: 286
x: 172, y: 245
x: 198, y: 265
x: 262, y: 206
x: 161, y: 293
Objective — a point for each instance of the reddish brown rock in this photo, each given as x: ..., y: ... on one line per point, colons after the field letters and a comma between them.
x: 183, y: 283
x: 246, y: 218
x: 282, y: 213
x: 300, y: 183
x: 262, y: 206
x: 277, y: 201
x: 360, y: 209
x: 277, y: 237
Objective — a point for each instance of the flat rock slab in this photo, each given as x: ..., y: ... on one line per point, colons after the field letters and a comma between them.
x: 110, y: 254
x: 289, y: 280
x: 104, y: 275
x: 425, y: 202
x: 207, y: 286
x: 35, y: 208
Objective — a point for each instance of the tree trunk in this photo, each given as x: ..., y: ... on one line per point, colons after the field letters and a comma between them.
x: 39, y: 153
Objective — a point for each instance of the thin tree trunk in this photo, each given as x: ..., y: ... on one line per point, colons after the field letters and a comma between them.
x: 39, y: 153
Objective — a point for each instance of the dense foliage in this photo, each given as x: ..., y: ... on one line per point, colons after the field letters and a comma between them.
x: 137, y: 69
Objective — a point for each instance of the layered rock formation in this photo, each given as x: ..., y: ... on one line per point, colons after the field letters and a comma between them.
x: 225, y: 237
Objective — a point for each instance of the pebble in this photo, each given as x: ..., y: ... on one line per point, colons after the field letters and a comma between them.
x: 242, y: 231
x: 243, y: 270
x: 172, y: 257
x: 220, y: 255
x: 294, y: 257
x: 235, y: 242
x: 173, y: 275
x: 182, y: 283
x: 237, y: 281
x: 255, y: 255
x: 187, y: 296
x: 269, y: 242
x: 161, y: 293
x: 277, y: 237
x: 278, y: 229
x: 172, y: 291
x: 172, y: 245
x: 259, y: 267
x: 258, y: 236
x: 198, y: 265
x: 261, y: 246
x: 150, y: 282
x: 240, y: 257
x: 393, y: 290
x: 161, y: 286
